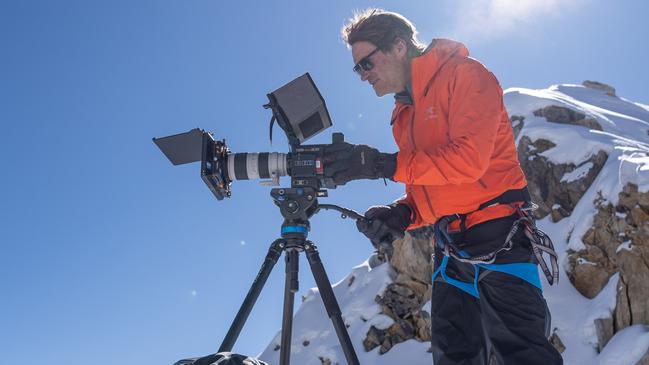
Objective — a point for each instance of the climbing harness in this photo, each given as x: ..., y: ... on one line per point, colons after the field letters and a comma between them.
x: 539, y: 241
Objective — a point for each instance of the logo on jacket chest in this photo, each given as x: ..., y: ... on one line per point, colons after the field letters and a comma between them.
x: 430, y: 113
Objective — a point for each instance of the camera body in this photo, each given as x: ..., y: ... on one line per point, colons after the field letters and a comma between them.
x: 306, y: 166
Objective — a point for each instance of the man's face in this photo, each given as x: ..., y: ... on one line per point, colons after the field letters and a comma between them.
x: 389, y: 73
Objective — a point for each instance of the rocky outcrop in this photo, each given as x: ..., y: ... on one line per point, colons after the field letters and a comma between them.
x: 411, y: 259
x: 608, y: 89
x: 556, y: 188
x: 563, y: 115
x: 403, y: 304
x: 617, y: 242
x: 404, y: 298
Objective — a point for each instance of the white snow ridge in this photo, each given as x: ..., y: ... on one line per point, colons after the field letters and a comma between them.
x: 624, y: 137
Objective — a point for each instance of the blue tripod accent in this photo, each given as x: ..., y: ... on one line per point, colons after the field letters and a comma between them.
x: 295, y: 229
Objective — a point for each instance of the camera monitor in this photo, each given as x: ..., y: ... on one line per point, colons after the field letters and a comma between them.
x: 302, y: 108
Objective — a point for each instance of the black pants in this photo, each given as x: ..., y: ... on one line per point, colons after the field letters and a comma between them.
x: 507, y: 325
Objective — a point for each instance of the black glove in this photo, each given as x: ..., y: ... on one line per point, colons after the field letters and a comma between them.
x: 385, y: 223
x: 344, y: 162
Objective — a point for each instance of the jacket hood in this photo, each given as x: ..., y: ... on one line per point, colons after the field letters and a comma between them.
x: 426, y: 66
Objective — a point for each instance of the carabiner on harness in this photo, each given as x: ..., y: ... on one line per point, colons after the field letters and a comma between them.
x: 541, y: 243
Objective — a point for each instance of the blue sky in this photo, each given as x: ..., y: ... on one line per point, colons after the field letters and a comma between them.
x: 110, y: 253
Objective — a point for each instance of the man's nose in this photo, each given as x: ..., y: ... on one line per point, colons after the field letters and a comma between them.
x: 365, y: 75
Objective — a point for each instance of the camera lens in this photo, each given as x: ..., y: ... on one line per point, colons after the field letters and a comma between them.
x: 251, y: 166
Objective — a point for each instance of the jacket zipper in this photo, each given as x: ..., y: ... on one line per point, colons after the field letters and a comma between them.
x: 414, y: 147
x: 412, y: 129
x: 430, y: 206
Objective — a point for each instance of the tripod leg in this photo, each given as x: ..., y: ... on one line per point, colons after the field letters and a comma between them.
x: 274, y: 252
x: 290, y: 288
x: 330, y: 302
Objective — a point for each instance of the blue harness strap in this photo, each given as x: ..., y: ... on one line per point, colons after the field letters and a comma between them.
x: 523, y: 270
x: 469, y: 288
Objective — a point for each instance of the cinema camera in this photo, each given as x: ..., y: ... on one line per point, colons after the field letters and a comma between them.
x: 299, y: 109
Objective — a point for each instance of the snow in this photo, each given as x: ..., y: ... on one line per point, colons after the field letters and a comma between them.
x: 625, y: 348
x: 583, y: 261
x: 624, y: 246
x: 624, y: 138
x: 577, y: 173
x: 643, y: 106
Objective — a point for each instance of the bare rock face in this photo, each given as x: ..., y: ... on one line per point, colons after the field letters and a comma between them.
x: 411, y: 257
x: 563, y: 115
x: 556, y: 342
x: 403, y: 299
x: 403, y: 305
x: 610, y: 90
x: 617, y: 242
x: 590, y: 271
x: 518, y: 122
x: 556, y: 188
x: 605, y: 331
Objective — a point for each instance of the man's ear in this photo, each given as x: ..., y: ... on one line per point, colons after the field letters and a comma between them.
x: 400, y: 47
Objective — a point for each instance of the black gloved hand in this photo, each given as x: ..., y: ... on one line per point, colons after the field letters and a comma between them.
x: 344, y: 162
x: 385, y: 223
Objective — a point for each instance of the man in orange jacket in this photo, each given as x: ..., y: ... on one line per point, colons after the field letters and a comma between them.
x: 459, y: 163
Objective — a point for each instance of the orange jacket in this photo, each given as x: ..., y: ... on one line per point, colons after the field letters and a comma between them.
x: 456, y: 146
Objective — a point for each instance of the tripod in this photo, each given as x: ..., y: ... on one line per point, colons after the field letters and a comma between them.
x: 297, y: 205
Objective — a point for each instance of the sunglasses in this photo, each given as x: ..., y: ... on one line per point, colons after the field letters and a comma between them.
x: 365, y: 64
